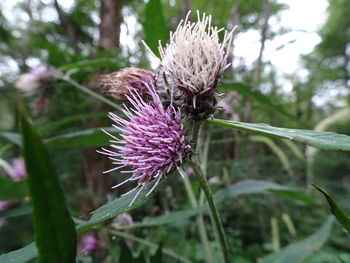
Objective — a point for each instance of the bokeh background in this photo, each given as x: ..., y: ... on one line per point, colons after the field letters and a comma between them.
x: 290, y: 68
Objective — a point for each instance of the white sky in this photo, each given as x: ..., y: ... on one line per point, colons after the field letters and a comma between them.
x: 304, y: 18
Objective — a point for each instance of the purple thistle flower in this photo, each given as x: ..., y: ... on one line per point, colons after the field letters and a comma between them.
x: 152, y: 140
x: 19, y: 169
x: 90, y: 243
x: 29, y: 82
x: 4, y: 205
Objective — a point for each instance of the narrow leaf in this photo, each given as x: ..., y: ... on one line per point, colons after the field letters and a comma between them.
x: 13, y: 137
x: 155, y: 25
x: 87, y: 138
x: 54, y: 228
x: 105, y: 212
x: 256, y: 96
x: 258, y: 186
x: 173, y: 217
x: 299, y: 251
x: 322, y: 140
x: 93, y: 137
x: 340, y: 215
x: 16, y: 211
x: 10, y: 189
x: 116, y: 207
x: 92, y: 63
x: 22, y: 255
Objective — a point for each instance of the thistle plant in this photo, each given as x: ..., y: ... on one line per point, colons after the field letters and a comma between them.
x: 153, y: 142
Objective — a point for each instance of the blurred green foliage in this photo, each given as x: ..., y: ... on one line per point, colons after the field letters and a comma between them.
x: 31, y: 33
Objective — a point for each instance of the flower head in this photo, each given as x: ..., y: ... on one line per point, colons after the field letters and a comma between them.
x: 90, y: 243
x: 117, y: 84
x: 16, y: 170
x: 195, y: 58
x: 4, y: 205
x: 19, y: 169
x: 31, y: 81
x: 152, y: 140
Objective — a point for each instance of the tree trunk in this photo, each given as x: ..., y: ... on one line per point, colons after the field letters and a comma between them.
x: 67, y: 27
x: 94, y: 164
x: 111, y: 18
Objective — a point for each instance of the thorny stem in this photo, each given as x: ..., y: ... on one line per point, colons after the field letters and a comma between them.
x: 88, y: 91
x: 207, y: 191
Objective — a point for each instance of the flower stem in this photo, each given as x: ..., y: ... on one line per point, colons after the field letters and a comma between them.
x: 213, y: 209
x: 195, y: 163
x: 89, y: 91
x: 199, y: 219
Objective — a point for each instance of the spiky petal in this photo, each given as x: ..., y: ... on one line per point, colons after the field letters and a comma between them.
x: 152, y: 141
x: 195, y: 58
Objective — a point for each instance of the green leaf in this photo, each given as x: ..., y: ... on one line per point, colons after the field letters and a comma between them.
x: 240, y: 188
x: 46, y: 127
x: 299, y: 251
x: 125, y: 253
x: 93, y: 63
x: 93, y: 137
x: 116, y: 207
x: 105, y: 212
x: 158, y: 256
x: 10, y: 189
x: 155, y: 25
x: 340, y: 215
x: 256, y: 96
x: 13, y: 137
x: 294, y: 194
x: 22, y: 255
x: 172, y: 217
x: 54, y: 228
x: 88, y: 138
x: 258, y: 186
x: 322, y: 140
x: 17, y: 211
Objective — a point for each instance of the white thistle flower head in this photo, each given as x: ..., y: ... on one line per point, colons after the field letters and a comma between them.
x: 195, y: 58
x: 29, y: 82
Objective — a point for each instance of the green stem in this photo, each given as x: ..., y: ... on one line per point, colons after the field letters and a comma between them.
x: 88, y: 91
x: 195, y: 163
x: 213, y: 209
x: 199, y: 219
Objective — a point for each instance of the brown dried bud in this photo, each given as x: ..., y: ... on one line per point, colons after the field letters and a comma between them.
x: 117, y: 84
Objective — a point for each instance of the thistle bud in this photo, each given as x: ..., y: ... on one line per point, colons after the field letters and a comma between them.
x: 118, y: 84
